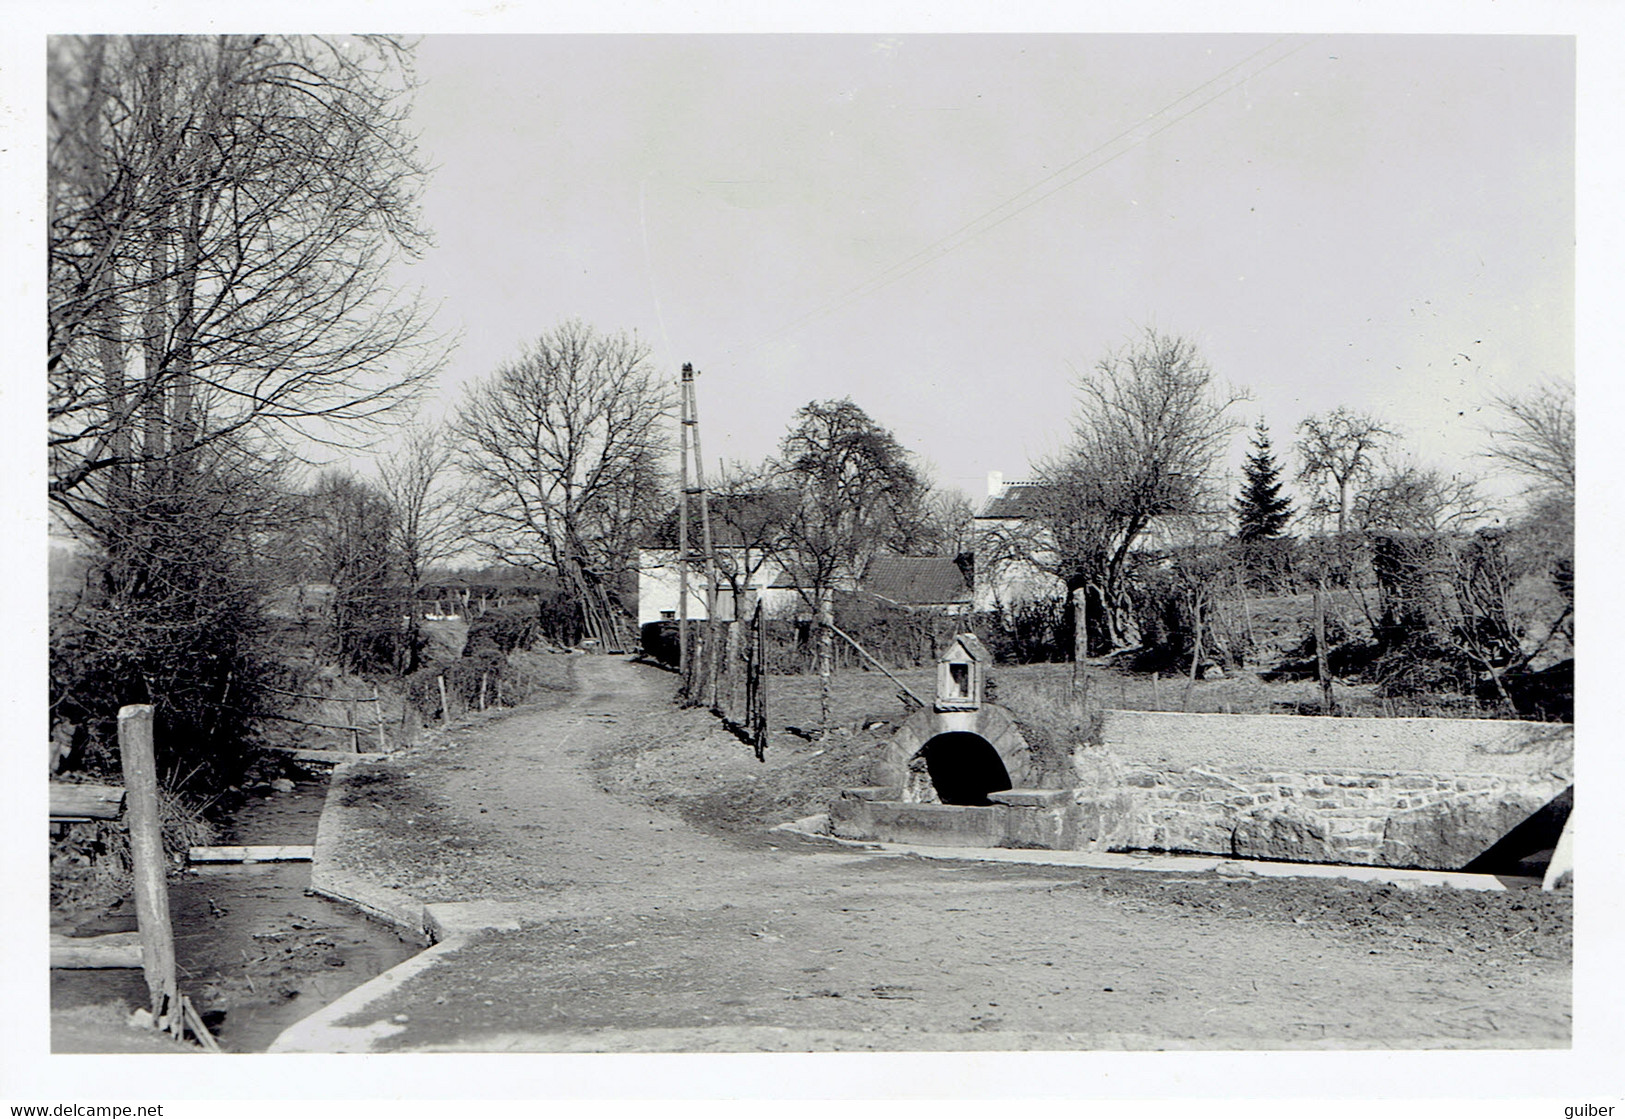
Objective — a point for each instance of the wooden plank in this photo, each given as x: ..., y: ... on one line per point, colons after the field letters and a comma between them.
x: 86, y: 802
x: 321, y: 757
x: 285, y: 853
x: 113, y: 950
x: 309, y: 723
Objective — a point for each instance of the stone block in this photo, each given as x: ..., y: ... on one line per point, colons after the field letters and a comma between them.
x: 1102, y: 822
x: 888, y: 773
x: 1032, y: 798
x: 874, y: 792
x: 1027, y: 826
x: 937, y: 825
x: 850, y: 819
x: 1449, y: 835
x: 1196, y: 834
x: 1287, y: 834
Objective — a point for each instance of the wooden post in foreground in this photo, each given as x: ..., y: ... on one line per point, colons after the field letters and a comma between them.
x: 1080, y: 633
x: 147, y: 855
x: 1322, y: 669
x: 445, y: 705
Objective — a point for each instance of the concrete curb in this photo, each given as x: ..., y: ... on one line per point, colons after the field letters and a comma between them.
x: 443, y: 926
x: 781, y: 1039
x: 1171, y: 864
x: 393, y: 907
x: 321, y: 1033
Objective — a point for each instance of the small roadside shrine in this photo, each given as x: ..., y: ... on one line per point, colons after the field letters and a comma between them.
x: 962, y: 674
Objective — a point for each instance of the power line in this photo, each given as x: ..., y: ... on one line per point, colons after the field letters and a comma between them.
x: 1015, y: 205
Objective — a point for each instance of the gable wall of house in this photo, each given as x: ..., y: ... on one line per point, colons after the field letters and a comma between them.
x: 660, y: 581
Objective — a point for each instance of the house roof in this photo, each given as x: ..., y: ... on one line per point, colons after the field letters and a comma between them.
x: 916, y: 580
x: 1018, y: 499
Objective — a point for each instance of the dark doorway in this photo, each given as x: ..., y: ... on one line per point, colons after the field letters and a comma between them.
x: 964, y: 768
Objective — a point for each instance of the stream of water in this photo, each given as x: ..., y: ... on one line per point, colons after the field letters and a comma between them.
x: 255, y: 952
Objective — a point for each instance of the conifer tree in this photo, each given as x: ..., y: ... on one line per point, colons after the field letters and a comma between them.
x: 1262, y: 513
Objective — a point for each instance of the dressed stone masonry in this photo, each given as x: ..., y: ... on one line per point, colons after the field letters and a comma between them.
x: 1438, y: 794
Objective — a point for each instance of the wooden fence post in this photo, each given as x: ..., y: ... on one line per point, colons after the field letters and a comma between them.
x: 1322, y: 670
x: 147, y: 857
x: 445, y: 707
x: 1080, y: 633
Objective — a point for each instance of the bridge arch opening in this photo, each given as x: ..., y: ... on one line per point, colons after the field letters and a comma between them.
x: 964, y: 768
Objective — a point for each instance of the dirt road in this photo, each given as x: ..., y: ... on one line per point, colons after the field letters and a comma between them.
x: 643, y: 933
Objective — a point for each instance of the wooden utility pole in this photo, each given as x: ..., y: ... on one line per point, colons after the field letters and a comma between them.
x: 713, y: 647
x: 710, y: 663
x: 147, y: 857
x: 682, y: 533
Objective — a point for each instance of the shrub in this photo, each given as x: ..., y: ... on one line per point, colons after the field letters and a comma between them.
x: 506, y: 629
x: 1054, y: 723
x: 175, y: 622
x: 1035, y: 631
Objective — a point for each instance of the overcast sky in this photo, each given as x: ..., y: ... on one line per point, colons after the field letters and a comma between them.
x: 948, y: 228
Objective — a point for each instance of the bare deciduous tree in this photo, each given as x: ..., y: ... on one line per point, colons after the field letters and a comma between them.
x: 749, y: 509
x: 1537, y: 436
x: 1150, y: 427
x: 223, y: 212
x: 413, y: 479
x: 565, y: 447
x: 1411, y: 498
x: 349, y: 537
x: 1339, y: 449
x: 856, y: 493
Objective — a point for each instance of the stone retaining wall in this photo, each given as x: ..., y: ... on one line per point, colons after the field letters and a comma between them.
x: 1433, y: 793
x: 1437, y: 794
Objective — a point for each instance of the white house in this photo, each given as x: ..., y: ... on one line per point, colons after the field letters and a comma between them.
x: 660, y: 581
x: 1008, y: 537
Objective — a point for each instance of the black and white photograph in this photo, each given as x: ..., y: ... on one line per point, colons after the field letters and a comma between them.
x: 979, y: 548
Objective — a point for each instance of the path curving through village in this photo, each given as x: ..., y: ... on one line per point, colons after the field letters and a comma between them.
x: 637, y: 932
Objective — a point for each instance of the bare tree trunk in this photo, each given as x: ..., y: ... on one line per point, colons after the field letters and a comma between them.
x: 153, y: 443
x: 183, y: 421
x: 112, y: 360
x: 826, y: 651
x: 1196, y: 656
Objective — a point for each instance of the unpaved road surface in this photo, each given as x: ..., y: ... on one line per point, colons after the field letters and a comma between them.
x: 642, y: 932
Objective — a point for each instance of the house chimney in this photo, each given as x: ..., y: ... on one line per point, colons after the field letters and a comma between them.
x: 995, y: 483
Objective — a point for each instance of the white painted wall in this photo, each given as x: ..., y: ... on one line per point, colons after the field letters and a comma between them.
x: 659, y: 589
